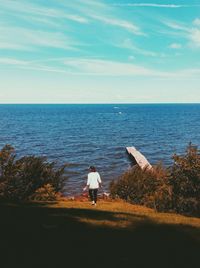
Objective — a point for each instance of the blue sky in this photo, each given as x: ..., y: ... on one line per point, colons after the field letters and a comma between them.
x: 88, y: 51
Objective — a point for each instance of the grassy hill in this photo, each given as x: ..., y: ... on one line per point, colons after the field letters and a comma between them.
x: 113, y: 234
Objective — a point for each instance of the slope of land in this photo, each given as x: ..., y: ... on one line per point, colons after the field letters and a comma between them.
x: 113, y: 234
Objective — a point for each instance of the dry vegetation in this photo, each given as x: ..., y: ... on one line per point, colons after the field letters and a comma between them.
x: 126, y: 215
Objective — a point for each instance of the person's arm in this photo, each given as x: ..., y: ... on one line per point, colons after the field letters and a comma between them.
x: 99, y: 180
x: 87, y: 184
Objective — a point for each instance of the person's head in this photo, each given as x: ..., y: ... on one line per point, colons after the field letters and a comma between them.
x: 92, y: 169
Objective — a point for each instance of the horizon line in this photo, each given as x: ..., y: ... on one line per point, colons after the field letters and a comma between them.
x: 91, y: 103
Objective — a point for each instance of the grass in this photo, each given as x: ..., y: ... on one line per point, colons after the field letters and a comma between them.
x: 129, y: 212
x: 113, y: 234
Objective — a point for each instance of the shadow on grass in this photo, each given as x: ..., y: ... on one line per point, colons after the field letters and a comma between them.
x: 36, y: 236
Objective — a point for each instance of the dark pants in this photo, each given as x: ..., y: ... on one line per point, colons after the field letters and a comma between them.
x: 93, y: 194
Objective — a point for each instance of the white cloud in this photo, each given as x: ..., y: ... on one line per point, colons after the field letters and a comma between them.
x: 106, y: 67
x: 191, y: 33
x: 77, y: 18
x: 41, y: 11
x: 195, y: 37
x: 175, y: 46
x: 12, y: 46
x: 41, y: 20
x: 83, y: 12
x: 131, y: 57
x: 17, y: 37
x: 29, y: 65
x: 97, y: 67
x: 11, y: 61
x: 196, y: 22
x: 94, y: 3
x: 79, y: 66
x: 129, y: 45
x: 175, y: 25
x: 114, y: 68
x: 119, y: 23
x: 153, y: 5
x: 188, y: 73
x: 44, y: 69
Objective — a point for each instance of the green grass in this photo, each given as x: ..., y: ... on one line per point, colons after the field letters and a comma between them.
x: 113, y: 234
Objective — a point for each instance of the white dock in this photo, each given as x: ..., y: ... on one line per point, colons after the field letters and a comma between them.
x: 139, y: 158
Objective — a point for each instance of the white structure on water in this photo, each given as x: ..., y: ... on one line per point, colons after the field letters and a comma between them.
x: 139, y: 158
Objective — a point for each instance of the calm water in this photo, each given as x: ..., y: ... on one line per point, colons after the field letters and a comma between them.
x: 84, y: 135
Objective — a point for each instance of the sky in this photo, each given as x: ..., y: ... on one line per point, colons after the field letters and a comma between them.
x: 105, y: 51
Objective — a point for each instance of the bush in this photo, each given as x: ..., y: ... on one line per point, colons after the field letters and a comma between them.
x: 185, y: 182
x: 147, y: 187
x: 45, y: 193
x: 176, y: 189
x: 21, y: 178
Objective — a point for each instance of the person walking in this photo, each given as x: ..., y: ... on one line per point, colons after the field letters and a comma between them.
x: 93, y: 184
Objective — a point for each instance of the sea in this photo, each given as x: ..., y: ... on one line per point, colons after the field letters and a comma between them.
x: 98, y: 134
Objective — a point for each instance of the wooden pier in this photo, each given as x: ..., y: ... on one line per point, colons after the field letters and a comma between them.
x: 139, y: 158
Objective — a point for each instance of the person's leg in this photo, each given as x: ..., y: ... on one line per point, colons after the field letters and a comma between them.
x: 95, y: 195
x: 91, y: 194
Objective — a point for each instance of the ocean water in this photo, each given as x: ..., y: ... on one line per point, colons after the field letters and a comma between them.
x: 84, y: 135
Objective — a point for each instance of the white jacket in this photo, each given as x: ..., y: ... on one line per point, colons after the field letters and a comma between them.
x: 93, y: 180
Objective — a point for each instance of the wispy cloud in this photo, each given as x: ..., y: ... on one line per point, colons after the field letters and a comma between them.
x: 194, y: 37
x: 106, y: 67
x: 101, y: 11
x: 114, y: 68
x: 5, y: 44
x: 93, y: 3
x: 12, y: 61
x: 196, y: 22
x: 29, y: 65
x: 175, y: 25
x: 77, y: 18
x: 127, y: 44
x: 194, y: 33
x: 154, y: 5
x: 189, y: 32
x: 54, y: 17
x: 81, y: 66
x: 33, y: 26
x: 39, y: 10
x: 98, y: 67
x: 19, y: 38
x: 175, y: 46
x: 124, y: 24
